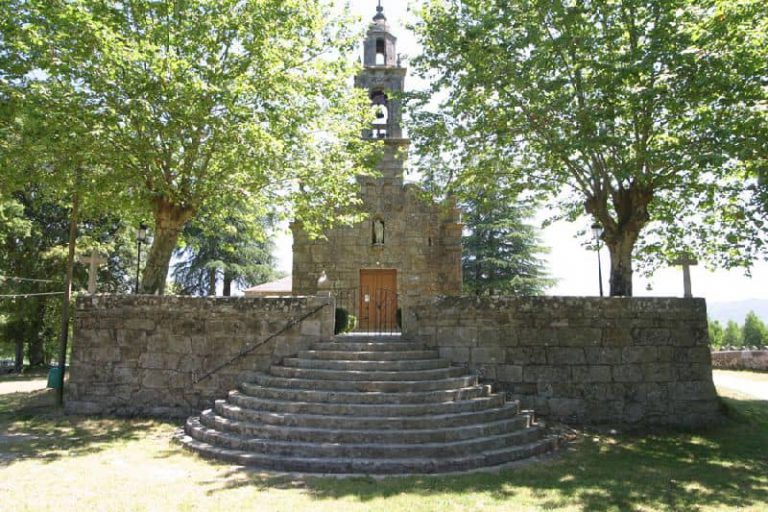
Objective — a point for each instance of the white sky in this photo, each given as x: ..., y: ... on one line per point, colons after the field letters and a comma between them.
x: 569, y: 262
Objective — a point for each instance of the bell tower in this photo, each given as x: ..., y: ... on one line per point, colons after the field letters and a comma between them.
x: 384, y: 79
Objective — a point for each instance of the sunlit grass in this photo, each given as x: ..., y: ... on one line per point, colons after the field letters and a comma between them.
x: 49, y: 461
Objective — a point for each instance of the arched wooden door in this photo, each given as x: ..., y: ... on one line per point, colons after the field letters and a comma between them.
x: 378, y: 300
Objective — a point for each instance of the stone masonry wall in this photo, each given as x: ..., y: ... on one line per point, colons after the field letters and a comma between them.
x: 741, y: 360
x: 139, y: 355
x: 636, y: 361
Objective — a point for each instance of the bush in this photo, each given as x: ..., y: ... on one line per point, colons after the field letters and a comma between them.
x: 342, y: 321
x: 352, y: 323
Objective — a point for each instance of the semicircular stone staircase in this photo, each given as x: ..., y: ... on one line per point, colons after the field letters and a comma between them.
x: 372, y: 405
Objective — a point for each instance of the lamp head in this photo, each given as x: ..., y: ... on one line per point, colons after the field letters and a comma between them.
x: 141, y: 235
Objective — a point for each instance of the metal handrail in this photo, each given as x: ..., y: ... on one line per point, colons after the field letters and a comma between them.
x: 245, y: 351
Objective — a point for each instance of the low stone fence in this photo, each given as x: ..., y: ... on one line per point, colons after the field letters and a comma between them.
x: 741, y: 360
x: 637, y: 361
x: 141, y: 355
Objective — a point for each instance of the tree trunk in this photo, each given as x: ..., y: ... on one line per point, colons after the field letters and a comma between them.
x: 630, y: 204
x: 169, y: 221
x: 64, y: 332
x: 35, y: 347
x: 228, y: 278
x: 621, y: 265
x: 19, y: 360
x: 212, y: 282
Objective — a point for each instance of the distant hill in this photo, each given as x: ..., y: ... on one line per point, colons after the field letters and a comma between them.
x: 737, y: 310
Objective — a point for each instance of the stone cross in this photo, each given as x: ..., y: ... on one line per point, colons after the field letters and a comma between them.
x: 94, y: 260
x: 686, y: 261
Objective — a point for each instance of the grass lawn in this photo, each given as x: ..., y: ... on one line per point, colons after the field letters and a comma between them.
x: 49, y: 461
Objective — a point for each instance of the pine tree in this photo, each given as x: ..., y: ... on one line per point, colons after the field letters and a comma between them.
x: 500, y: 249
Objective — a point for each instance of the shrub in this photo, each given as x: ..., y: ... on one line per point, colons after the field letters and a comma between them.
x: 342, y: 321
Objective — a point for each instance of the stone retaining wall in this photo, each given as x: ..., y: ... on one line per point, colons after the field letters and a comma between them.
x: 741, y: 360
x: 140, y: 355
x: 637, y: 361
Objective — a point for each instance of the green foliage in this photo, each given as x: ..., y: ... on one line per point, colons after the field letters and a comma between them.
x: 234, y: 247
x: 188, y: 103
x: 716, y: 333
x: 342, y: 321
x: 754, y: 332
x: 640, y: 113
x: 501, y: 250
x: 732, y: 336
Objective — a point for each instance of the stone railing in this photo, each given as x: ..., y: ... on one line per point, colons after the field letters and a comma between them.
x: 638, y: 361
x: 756, y: 360
x: 146, y: 355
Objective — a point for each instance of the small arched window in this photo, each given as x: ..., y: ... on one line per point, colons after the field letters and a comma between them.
x: 381, y: 52
x: 380, y: 104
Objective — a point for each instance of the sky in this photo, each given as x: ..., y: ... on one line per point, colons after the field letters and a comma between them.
x: 572, y: 265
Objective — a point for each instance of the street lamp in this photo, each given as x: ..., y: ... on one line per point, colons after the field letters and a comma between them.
x: 597, y: 232
x: 141, y: 236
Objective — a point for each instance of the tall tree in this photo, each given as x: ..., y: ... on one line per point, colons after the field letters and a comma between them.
x: 732, y: 335
x: 631, y: 111
x: 206, y: 99
x: 233, y: 248
x: 501, y: 251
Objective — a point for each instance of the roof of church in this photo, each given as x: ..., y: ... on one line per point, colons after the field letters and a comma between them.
x: 282, y: 286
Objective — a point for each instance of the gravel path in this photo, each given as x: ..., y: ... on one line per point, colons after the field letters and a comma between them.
x: 741, y: 382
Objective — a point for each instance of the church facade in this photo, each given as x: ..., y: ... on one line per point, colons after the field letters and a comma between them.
x: 407, y: 247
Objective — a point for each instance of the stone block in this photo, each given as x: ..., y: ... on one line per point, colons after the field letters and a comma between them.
x: 509, y: 373
x: 311, y: 328
x: 591, y: 373
x: 638, y: 355
x: 455, y: 354
x: 565, y: 356
x: 488, y: 355
x: 547, y: 374
x: 140, y: 324
x: 627, y: 373
x: 617, y: 336
x: 603, y: 355
x: 527, y: 356
x: 579, y: 336
x: 659, y: 372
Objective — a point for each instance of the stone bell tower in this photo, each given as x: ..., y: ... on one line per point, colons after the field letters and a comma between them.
x: 384, y: 79
x: 408, y: 247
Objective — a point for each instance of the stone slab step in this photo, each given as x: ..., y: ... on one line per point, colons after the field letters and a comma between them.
x: 354, y: 365
x: 427, y: 421
x: 409, y: 466
x: 378, y: 346
x: 366, y: 375
x: 199, y: 431
x: 373, y: 436
x: 379, y: 386
x: 295, y: 405
x: 367, y: 355
x: 362, y: 397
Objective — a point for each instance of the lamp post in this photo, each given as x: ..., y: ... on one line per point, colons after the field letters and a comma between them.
x: 141, y: 236
x: 597, y: 232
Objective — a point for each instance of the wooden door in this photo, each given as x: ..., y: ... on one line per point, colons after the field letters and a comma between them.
x: 378, y: 300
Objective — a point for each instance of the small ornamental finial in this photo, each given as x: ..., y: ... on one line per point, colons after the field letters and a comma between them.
x: 379, y: 13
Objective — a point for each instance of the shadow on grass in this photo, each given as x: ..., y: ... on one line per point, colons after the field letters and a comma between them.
x: 32, y: 425
x: 724, y: 466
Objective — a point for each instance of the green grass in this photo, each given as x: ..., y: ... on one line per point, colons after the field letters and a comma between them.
x: 49, y: 461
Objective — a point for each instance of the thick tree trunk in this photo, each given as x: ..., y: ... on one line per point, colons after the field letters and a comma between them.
x: 621, y: 232
x: 621, y: 264
x: 169, y: 221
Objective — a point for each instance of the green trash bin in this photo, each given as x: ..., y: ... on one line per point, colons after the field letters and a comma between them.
x: 54, y: 377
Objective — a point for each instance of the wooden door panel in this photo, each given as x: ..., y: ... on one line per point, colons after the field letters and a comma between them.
x: 378, y: 300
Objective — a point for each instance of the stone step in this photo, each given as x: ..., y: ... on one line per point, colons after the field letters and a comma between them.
x: 358, y: 397
x: 394, y: 355
x: 366, y: 375
x: 357, y: 409
x: 199, y: 431
x: 367, y: 338
x: 377, y: 346
x: 370, y: 466
x: 376, y: 386
x: 350, y: 364
x: 329, y: 421
x: 374, y: 436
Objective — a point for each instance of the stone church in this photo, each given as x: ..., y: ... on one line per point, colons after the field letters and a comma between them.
x: 408, y: 246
